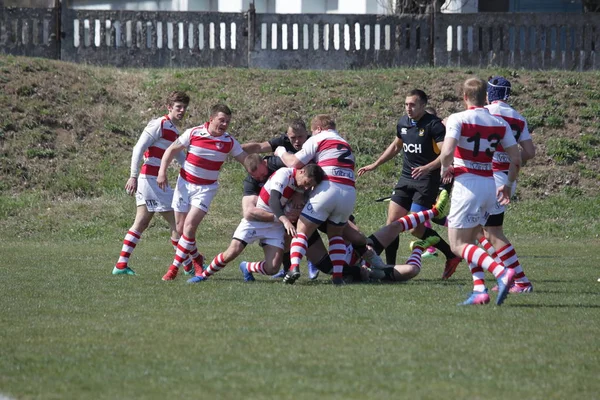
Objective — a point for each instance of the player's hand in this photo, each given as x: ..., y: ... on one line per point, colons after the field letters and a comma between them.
x: 131, y: 186
x: 365, y: 169
x: 162, y: 181
x: 419, y: 171
x: 289, y: 227
x: 447, y: 174
x: 279, y: 151
x: 503, y: 195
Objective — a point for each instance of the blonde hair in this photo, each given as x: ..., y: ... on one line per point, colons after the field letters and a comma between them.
x: 323, y: 121
x: 475, y: 90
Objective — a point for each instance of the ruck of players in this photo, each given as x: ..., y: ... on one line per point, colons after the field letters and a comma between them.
x: 458, y: 174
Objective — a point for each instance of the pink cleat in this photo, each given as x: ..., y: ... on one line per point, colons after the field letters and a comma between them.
x: 476, y: 298
x: 518, y: 288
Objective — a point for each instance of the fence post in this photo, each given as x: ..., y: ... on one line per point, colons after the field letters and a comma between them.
x: 432, y: 36
x: 251, y: 30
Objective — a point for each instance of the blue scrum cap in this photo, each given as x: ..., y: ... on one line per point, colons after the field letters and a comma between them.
x: 498, y: 88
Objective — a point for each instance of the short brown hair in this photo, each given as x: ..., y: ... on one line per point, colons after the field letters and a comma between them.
x: 178, y: 97
x: 220, y: 108
x: 475, y: 90
x: 252, y: 162
x: 315, y: 172
x: 420, y: 94
x: 298, y: 126
x: 323, y: 121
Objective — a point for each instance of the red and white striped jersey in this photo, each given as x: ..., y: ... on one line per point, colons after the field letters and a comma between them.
x: 519, y: 128
x: 478, y: 134
x: 157, y: 136
x: 284, y: 181
x: 332, y: 153
x: 206, y: 154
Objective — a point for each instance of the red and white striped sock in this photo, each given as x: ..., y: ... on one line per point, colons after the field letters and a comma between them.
x: 216, y: 265
x: 411, y: 220
x: 183, y: 249
x: 337, y: 253
x: 475, y: 255
x: 131, y: 240
x: 489, y: 248
x: 478, y: 277
x: 256, y: 266
x: 415, y: 257
x: 187, y: 260
x: 509, y: 258
x: 298, y: 249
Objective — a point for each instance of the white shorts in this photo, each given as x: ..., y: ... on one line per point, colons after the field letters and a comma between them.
x: 267, y: 233
x: 189, y: 194
x: 473, y: 198
x: 154, y: 198
x: 502, y: 179
x: 331, y: 202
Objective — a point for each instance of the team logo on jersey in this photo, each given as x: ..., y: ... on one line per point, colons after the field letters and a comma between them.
x: 421, y: 132
x: 219, y: 145
x: 403, y: 131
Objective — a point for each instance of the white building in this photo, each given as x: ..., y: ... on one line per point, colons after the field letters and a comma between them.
x: 262, y: 6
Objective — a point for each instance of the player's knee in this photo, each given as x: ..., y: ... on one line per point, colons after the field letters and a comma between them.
x: 271, y: 267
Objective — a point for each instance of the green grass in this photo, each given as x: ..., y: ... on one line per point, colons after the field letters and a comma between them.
x: 73, y: 331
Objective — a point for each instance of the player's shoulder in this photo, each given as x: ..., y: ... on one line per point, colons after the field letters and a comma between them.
x: 279, y: 139
x: 155, y: 123
x: 404, y: 122
x: 432, y: 121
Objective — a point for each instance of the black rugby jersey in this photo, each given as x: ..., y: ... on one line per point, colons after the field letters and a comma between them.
x: 252, y: 186
x: 282, y: 140
x: 419, y: 142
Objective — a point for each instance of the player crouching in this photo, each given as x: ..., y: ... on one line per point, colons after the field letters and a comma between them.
x: 274, y: 196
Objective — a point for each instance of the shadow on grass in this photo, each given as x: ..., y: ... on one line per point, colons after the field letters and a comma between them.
x: 555, y: 305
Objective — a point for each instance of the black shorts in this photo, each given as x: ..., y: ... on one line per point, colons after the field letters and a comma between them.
x: 423, y: 192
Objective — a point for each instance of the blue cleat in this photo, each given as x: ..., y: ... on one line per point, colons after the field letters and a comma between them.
x: 313, y: 272
x: 279, y: 275
x: 476, y: 298
x: 196, y: 279
x: 123, y: 271
x: 248, y: 277
x: 504, y: 283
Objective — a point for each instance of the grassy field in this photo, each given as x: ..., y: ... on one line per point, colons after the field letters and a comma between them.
x: 71, y: 330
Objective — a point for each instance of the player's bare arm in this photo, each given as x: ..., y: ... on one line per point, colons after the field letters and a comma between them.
x: 169, y: 155
x: 394, y: 148
x: 527, y: 150
x: 446, y: 158
x: 253, y: 213
x: 241, y: 158
x: 253, y: 147
x: 504, y: 191
x: 290, y: 160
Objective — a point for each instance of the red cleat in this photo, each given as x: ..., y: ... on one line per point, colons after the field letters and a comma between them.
x: 171, y: 274
x: 198, y: 263
x: 450, y: 267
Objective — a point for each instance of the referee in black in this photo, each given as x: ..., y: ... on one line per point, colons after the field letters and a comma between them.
x: 419, y: 135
